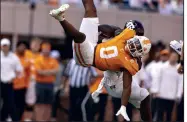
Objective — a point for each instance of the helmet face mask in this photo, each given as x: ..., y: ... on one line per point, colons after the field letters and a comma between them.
x: 138, y: 46
x: 135, y: 47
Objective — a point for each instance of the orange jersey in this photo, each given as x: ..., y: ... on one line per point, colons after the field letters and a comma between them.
x: 45, y: 64
x: 23, y: 80
x: 111, y: 55
x: 32, y: 58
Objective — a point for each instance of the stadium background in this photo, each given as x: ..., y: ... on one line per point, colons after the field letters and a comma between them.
x: 20, y: 21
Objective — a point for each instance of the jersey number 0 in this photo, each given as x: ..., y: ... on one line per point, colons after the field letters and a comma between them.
x: 109, y: 52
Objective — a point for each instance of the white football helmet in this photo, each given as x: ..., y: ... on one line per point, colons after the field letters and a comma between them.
x: 139, y: 46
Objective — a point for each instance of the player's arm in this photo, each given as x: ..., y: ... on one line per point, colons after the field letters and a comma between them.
x: 126, y: 34
x: 127, y: 80
x: 107, y: 32
x: 71, y: 31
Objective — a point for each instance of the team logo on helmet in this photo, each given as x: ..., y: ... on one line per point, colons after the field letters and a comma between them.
x: 130, y: 25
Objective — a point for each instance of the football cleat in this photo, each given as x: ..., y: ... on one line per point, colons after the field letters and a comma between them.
x: 60, y: 12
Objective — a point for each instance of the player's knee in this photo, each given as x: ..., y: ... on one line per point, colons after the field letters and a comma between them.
x: 80, y: 38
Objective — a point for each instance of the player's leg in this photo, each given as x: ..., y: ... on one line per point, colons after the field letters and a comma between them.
x: 140, y: 98
x: 89, y: 24
x: 90, y: 9
x: 69, y: 29
x: 83, y: 49
x: 84, y: 52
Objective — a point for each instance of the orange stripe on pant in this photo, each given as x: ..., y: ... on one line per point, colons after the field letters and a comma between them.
x: 77, y: 55
x: 82, y: 56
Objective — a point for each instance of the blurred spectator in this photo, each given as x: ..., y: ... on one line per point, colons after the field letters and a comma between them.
x: 164, y: 55
x: 46, y: 70
x: 21, y: 83
x: 53, y: 3
x: 160, y: 45
x: 69, y: 1
x: 168, y: 7
x: 169, y: 88
x: 98, y: 107
x: 139, y: 4
x: 77, y: 2
x: 10, y: 69
x: 38, y: 1
x: 105, y: 3
x: 155, y: 3
x: 31, y: 55
x: 152, y: 70
x: 126, y: 3
x: 165, y: 7
x: 178, y: 6
x: 144, y: 78
x: 57, y: 84
x: 151, y: 5
x: 79, y: 78
x: 98, y: 3
x: 56, y: 55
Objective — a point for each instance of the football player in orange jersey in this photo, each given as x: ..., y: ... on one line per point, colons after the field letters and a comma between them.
x: 118, y: 54
x: 113, y: 81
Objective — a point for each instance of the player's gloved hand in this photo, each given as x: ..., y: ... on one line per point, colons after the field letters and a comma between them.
x: 123, y: 112
x: 96, y: 93
x: 95, y: 96
x: 177, y: 46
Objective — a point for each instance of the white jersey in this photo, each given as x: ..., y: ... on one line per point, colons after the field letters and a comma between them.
x: 113, y: 82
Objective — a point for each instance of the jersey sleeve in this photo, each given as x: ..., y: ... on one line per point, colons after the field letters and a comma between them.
x: 125, y: 35
x: 131, y: 66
